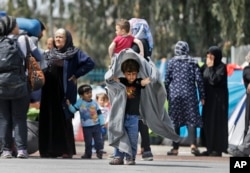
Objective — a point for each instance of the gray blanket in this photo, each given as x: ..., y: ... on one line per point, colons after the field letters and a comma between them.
x: 152, y: 102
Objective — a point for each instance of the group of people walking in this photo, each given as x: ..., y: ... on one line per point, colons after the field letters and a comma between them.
x: 134, y: 80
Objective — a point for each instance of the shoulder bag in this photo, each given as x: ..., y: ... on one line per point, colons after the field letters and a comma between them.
x: 36, y: 77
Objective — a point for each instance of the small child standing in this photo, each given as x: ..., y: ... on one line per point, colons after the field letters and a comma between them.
x: 130, y: 69
x: 102, y: 100
x: 91, y: 120
x: 123, y: 39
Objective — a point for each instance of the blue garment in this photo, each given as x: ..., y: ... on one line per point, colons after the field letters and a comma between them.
x: 80, y: 65
x: 90, y: 112
x: 183, y: 77
x: 131, y: 127
x: 92, y: 132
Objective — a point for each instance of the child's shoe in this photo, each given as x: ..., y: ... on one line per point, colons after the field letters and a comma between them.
x: 99, y: 154
x: 85, y: 156
x: 130, y: 162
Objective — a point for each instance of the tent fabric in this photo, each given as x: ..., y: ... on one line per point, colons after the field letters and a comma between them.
x: 236, y: 112
x: 236, y: 123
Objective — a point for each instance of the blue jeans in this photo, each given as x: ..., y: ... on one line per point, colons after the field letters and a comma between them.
x: 13, y: 116
x: 131, y: 128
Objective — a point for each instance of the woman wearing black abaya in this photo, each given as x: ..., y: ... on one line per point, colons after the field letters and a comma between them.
x: 65, y: 64
x: 215, y: 109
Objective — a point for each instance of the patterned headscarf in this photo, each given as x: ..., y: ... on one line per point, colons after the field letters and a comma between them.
x: 181, y: 48
x: 7, y: 24
x: 140, y: 29
x: 181, y: 52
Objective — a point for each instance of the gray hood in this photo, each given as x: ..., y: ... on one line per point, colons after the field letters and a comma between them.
x: 152, y: 102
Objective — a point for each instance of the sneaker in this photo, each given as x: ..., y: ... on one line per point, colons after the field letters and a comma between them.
x: 172, y: 152
x: 147, y: 156
x: 22, y: 154
x: 130, y: 162
x: 99, y: 154
x: 116, y: 161
x: 85, y: 156
x: 6, y: 154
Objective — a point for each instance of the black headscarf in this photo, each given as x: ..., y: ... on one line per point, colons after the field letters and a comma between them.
x: 216, y: 51
x: 68, y: 51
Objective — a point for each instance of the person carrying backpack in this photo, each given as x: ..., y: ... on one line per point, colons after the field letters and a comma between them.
x: 14, y: 93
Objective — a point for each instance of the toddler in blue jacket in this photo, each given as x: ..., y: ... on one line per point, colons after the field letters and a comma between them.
x: 91, y: 120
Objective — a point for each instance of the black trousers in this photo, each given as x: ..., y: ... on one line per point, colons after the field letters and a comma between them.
x: 145, y: 142
x: 191, y: 134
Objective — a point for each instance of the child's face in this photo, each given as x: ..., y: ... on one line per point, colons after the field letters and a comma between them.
x: 87, y: 96
x: 118, y: 30
x: 130, y: 76
x: 101, y: 101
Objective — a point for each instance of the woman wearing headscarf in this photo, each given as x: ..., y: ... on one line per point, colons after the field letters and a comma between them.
x: 65, y: 63
x: 215, y: 109
x: 183, y: 78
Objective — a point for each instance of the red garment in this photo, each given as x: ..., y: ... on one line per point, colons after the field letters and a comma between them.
x: 123, y: 42
x: 232, y: 67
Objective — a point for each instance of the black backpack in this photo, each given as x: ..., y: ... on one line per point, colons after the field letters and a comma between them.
x: 13, y: 80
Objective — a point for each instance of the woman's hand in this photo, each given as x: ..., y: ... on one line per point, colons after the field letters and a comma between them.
x: 73, y: 78
x: 68, y: 102
x: 248, y: 89
x: 202, y: 101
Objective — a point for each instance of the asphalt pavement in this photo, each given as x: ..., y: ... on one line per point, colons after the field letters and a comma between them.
x: 185, y: 162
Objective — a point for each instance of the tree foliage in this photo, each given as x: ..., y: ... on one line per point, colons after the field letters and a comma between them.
x: 201, y: 23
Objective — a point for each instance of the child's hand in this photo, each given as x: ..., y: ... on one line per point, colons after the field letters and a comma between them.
x: 116, y: 79
x: 142, y: 54
x: 145, y: 81
x: 68, y: 102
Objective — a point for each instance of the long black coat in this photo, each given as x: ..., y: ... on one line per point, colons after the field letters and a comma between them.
x: 246, y: 79
x: 215, y: 109
x: 56, y: 135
